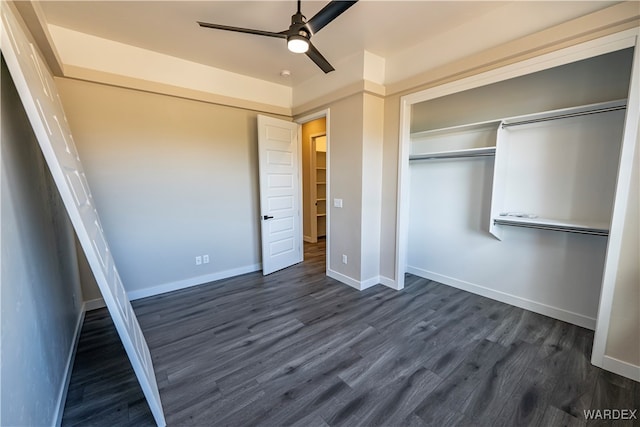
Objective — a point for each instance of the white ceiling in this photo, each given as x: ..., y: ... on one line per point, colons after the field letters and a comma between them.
x: 380, y: 27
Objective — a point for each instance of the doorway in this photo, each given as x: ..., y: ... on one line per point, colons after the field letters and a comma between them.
x: 315, y: 184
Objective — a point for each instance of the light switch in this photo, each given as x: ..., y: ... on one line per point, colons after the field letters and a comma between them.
x: 337, y: 203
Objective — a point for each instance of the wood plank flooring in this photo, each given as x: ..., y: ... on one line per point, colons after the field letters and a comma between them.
x: 298, y: 348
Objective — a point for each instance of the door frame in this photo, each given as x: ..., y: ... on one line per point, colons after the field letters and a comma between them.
x: 302, y: 120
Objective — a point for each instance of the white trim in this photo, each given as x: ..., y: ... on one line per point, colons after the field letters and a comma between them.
x: 390, y: 283
x: 94, y: 304
x: 192, y: 281
x: 343, y: 279
x: 307, y: 238
x: 64, y: 388
x: 327, y: 129
x: 621, y: 368
x: 614, y: 244
x: 361, y: 285
x: 611, y: 43
x: 313, y: 116
x: 364, y: 284
x: 536, y: 307
x: 402, y: 210
x: 356, y: 284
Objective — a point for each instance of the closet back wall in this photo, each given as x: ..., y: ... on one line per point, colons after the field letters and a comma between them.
x: 604, y: 77
x: 554, y: 273
x: 172, y: 179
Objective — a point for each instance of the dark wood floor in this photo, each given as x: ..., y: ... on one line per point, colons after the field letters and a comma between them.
x: 298, y: 348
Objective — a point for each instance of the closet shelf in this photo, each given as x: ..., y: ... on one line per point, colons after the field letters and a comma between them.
x: 321, y: 183
x: 583, y: 227
x: 493, y: 124
x: 321, y: 214
x: 565, y: 113
x: 454, y: 154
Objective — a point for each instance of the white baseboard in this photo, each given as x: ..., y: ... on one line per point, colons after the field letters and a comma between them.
x: 358, y: 284
x: 621, y: 368
x: 62, y: 394
x: 343, y: 278
x: 537, y: 307
x: 390, y: 283
x: 307, y: 239
x: 94, y: 304
x: 364, y: 284
x: 192, y: 281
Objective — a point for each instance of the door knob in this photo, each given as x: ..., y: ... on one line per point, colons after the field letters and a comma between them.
x: 267, y: 217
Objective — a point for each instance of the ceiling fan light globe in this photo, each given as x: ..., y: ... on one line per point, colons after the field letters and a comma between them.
x: 297, y: 44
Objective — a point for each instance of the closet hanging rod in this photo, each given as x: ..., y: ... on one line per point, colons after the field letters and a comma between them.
x: 578, y: 230
x: 565, y: 116
x: 448, y: 156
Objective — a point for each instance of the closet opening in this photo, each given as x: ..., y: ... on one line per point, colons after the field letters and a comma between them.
x: 513, y: 183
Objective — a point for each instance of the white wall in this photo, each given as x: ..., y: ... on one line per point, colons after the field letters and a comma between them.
x: 172, y: 179
x: 41, y: 298
x: 449, y: 241
x: 557, y: 274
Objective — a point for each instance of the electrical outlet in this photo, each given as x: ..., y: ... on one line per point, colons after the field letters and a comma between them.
x: 198, y: 260
x: 205, y: 259
x: 344, y: 259
x: 337, y: 203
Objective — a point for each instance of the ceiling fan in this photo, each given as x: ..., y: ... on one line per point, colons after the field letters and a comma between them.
x: 299, y: 33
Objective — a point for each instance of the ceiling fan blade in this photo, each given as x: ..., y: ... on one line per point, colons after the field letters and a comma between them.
x: 319, y: 59
x: 242, y: 30
x: 328, y: 13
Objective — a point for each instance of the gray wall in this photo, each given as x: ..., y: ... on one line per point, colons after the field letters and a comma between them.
x: 598, y: 79
x: 172, y: 179
x: 345, y: 154
x: 40, y: 292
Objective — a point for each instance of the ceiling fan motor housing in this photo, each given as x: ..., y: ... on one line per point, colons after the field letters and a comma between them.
x: 299, y: 33
x: 299, y: 26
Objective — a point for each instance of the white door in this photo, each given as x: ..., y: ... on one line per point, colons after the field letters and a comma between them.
x: 280, y: 193
x: 39, y: 96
